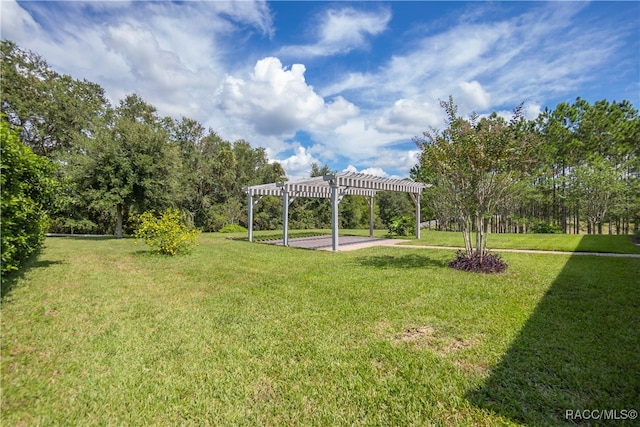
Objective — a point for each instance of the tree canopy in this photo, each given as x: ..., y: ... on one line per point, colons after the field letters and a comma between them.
x: 578, y: 160
x: 115, y: 162
x: 475, y: 164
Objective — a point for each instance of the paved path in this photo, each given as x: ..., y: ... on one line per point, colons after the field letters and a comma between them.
x: 345, y: 243
x: 351, y: 243
x: 530, y: 251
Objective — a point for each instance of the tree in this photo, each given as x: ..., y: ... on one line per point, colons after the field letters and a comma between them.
x: 128, y: 163
x: 573, y: 134
x: 476, y: 163
x: 28, y: 184
x: 392, y: 205
x: 595, y: 185
x: 50, y: 111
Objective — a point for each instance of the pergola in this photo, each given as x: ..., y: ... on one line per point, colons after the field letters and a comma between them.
x: 334, y: 187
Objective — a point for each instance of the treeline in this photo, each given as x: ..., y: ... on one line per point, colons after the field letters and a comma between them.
x: 581, y: 177
x: 117, y: 161
x: 114, y: 162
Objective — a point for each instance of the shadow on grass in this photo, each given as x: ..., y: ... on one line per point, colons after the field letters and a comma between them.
x: 404, y: 261
x: 579, y: 350
x: 608, y: 244
x: 85, y: 237
x: 32, y: 263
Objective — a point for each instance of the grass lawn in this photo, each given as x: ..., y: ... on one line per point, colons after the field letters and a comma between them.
x: 101, y: 332
x: 556, y: 242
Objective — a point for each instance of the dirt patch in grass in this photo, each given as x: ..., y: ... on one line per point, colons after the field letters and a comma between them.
x: 444, y: 345
x: 415, y: 334
x: 429, y: 337
x: 263, y: 391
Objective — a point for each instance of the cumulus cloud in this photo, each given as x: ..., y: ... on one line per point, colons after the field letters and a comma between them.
x: 168, y: 53
x: 409, y: 117
x: 278, y: 101
x: 367, y: 171
x: 341, y: 31
x: 397, y: 159
x: 473, y: 96
x: 298, y: 165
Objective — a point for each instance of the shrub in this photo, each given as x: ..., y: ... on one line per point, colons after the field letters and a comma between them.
x: 72, y: 226
x: 168, y: 234
x: 488, y: 263
x: 233, y: 228
x: 27, y: 188
x: 541, y: 227
x: 401, y: 226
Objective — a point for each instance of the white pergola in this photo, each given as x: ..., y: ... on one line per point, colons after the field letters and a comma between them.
x: 334, y: 187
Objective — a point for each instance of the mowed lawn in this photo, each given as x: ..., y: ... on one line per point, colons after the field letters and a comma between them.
x: 546, y: 242
x: 101, y: 332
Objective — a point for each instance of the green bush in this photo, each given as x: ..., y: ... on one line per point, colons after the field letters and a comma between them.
x: 401, y: 226
x: 541, y: 227
x: 167, y: 234
x: 27, y: 186
x: 72, y: 226
x: 233, y: 228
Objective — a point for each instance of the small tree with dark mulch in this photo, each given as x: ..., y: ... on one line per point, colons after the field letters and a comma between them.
x: 476, y: 166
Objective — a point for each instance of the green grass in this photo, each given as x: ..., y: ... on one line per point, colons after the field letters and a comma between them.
x: 547, y: 242
x: 101, y: 332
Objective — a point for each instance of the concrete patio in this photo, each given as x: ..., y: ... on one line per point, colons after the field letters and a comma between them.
x: 347, y: 243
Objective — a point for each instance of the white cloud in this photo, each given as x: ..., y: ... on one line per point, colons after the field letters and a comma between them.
x: 336, y: 113
x: 16, y: 23
x: 341, y: 31
x: 399, y: 160
x: 409, y: 117
x: 485, y: 66
x: 473, y: 96
x: 278, y: 101
x: 367, y: 171
x: 532, y: 111
x: 298, y: 165
x: 170, y: 54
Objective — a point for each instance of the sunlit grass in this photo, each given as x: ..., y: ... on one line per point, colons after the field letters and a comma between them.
x: 102, y: 332
x: 548, y: 242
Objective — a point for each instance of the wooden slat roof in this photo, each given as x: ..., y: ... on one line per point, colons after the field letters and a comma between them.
x: 348, y: 182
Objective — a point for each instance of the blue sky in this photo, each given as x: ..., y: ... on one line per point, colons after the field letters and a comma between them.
x: 347, y: 84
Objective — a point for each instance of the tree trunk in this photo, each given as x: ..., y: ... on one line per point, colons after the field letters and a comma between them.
x: 465, y: 223
x: 119, y: 214
x: 480, y: 235
x: 563, y: 207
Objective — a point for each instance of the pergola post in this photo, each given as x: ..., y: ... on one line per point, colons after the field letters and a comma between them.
x: 416, y: 201
x: 285, y: 217
x: 370, y: 199
x: 334, y: 214
x: 250, y: 218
